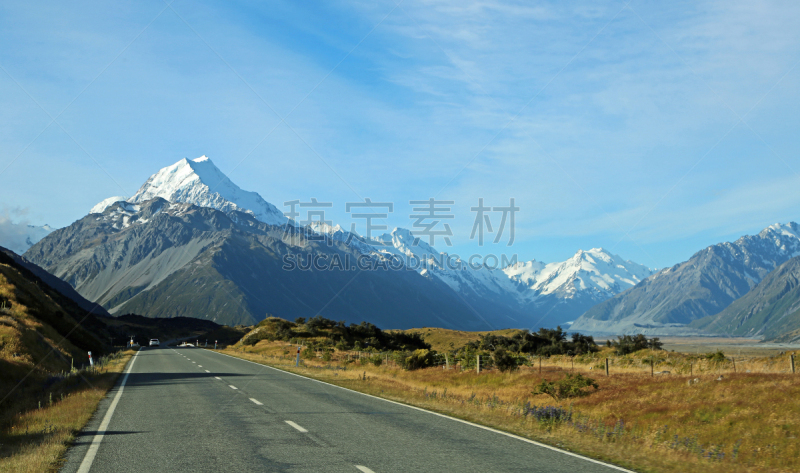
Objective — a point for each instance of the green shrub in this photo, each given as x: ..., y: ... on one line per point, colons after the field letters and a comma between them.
x: 376, y: 360
x: 715, y: 357
x: 626, y: 344
x: 504, y: 360
x: 418, y: 359
x: 307, y: 353
x: 569, y: 386
x: 327, y: 355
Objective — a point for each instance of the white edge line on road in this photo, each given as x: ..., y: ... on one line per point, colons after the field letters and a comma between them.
x: 296, y: 426
x: 533, y: 442
x: 207, y: 371
x: 255, y: 401
x: 86, y: 464
x: 232, y: 386
x: 364, y: 469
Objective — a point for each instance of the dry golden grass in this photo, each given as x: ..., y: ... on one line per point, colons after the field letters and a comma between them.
x: 35, y: 439
x: 442, y: 339
x: 648, y: 423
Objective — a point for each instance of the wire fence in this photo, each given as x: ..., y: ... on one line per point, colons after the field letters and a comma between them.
x: 651, y: 363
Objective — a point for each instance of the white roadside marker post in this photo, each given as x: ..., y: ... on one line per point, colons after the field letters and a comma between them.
x: 297, y: 361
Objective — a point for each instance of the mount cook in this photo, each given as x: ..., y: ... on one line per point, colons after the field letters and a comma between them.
x: 192, y: 243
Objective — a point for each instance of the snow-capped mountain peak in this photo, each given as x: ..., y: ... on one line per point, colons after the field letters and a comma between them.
x: 594, y: 270
x: 200, y: 182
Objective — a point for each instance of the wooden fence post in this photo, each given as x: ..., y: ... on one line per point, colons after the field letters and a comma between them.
x: 651, y: 367
x: 606, y: 366
x: 791, y: 360
x: 540, y: 365
x: 479, y: 363
x: 734, y: 364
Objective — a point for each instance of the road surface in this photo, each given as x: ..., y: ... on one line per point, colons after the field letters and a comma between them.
x: 189, y: 409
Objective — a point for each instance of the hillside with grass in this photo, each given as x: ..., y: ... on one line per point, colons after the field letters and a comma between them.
x: 40, y: 329
x: 47, y: 390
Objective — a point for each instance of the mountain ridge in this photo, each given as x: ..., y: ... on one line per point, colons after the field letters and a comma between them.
x: 707, y: 283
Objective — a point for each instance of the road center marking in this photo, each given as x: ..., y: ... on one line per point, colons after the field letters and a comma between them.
x: 256, y: 402
x: 208, y: 371
x: 232, y: 386
x: 199, y: 366
x: 217, y: 377
x: 296, y: 426
x: 364, y: 469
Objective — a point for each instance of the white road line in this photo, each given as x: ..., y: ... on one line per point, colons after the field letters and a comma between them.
x: 217, y: 377
x: 256, y: 402
x: 208, y: 371
x: 454, y: 419
x: 194, y: 362
x: 199, y: 366
x: 364, y: 469
x: 86, y: 464
x: 232, y: 386
x: 296, y: 426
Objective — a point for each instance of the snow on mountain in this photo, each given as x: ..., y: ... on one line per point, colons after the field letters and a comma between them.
x: 595, y: 270
x: 200, y: 182
x: 18, y: 237
x: 106, y: 203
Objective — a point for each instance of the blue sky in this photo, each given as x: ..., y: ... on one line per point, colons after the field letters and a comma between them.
x: 650, y: 130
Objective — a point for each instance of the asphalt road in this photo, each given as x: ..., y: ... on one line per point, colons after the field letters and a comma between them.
x: 189, y: 409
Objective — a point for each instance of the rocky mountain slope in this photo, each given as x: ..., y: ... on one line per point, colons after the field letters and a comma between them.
x: 704, y: 285
x: 770, y: 310
x: 164, y: 259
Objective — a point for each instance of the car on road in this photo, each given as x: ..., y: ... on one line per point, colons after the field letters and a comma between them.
x: 154, y: 342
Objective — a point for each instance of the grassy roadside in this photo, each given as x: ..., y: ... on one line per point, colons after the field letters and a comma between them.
x: 36, y: 429
x: 746, y: 422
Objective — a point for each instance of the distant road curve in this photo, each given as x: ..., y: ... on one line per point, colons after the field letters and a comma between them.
x: 188, y: 409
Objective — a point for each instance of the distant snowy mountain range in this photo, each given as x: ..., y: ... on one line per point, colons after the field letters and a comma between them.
x: 191, y: 242
x: 19, y: 237
x: 557, y: 292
